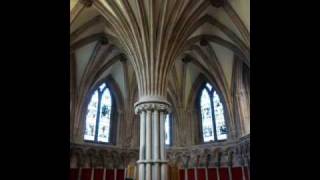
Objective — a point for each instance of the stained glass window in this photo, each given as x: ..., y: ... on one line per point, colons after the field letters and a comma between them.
x: 105, y: 117
x: 212, y: 115
x: 91, y: 117
x: 206, y: 115
x: 98, y: 119
x: 219, y: 117
x: 167, y: 129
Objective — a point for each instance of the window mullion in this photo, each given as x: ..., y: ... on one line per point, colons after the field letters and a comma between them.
x: 98, y: 116
x: 112, y: 131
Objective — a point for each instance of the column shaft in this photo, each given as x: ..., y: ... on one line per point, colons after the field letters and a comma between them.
x: 230, y: 172
x: 218, y: 173
x: 156, y: 147
x: 142, y: 145
x: 243, y: 173
x: 152, y: 157
x: 148, y: 145
x: 162, y: 147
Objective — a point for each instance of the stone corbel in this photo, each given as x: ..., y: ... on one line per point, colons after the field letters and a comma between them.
x: 86, y: 3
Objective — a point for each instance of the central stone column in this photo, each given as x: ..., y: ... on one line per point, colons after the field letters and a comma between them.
x: 152, y: 158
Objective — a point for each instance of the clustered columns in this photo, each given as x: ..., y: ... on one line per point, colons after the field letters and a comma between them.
x: 152, y: 156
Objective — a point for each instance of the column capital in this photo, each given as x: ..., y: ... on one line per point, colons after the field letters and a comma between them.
x: 152, y: 103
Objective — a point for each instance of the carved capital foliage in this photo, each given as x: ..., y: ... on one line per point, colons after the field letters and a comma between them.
x: 152, y: 106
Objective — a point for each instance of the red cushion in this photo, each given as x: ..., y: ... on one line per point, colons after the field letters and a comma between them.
x: 237, y: 173
x: 120, y: 174
x: 98, y: 174
x: 212, y: 174
x: 201, y: 173
x: 109, y: 174
x: 86, y: 174
x: 73, y: 174
x: 191, y: 174
x: 181, y: 173
x: 224, y: 174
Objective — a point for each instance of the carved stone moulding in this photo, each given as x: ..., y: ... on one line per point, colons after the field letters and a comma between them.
x: 87, y: 3
x: 151, y: 104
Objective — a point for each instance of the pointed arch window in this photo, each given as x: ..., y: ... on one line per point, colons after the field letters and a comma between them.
x: 99, y: 114
x: 213, y: 123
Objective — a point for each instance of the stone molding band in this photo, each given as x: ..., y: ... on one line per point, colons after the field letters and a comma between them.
x: 152, y: 161
x: 161, y: 106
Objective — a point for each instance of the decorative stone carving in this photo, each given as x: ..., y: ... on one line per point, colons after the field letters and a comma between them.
x: 234, y: 154
x: 86, y: 3
x: 145, y: 106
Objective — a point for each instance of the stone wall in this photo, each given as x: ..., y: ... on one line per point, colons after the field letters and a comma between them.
x: 222, y: 154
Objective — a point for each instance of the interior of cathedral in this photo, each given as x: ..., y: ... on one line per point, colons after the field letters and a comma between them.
x: 159, y: 89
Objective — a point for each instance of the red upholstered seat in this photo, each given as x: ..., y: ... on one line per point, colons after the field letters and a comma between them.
x: 237, y: 173
x: 201, y: 173
x: 181, y: 174
x: 224, y: 174
x: 191, y: 175
x: 120, y: 174
x: 73, y: 174
x: 98, y: 174
x: 212, y: 174
x: 86, y: 174
x: 109, y: 174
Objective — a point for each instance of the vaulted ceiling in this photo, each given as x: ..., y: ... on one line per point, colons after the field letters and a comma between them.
x: 207, y: 34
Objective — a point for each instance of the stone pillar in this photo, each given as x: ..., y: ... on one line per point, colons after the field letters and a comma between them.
x: 218, y: 169
x: 207, y: 178
x: 242, y: 168
x: 142, y: 144
x: 186, y: 174
x: 152, y: 161
x: 230, y: 170
x: 230, y: 164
